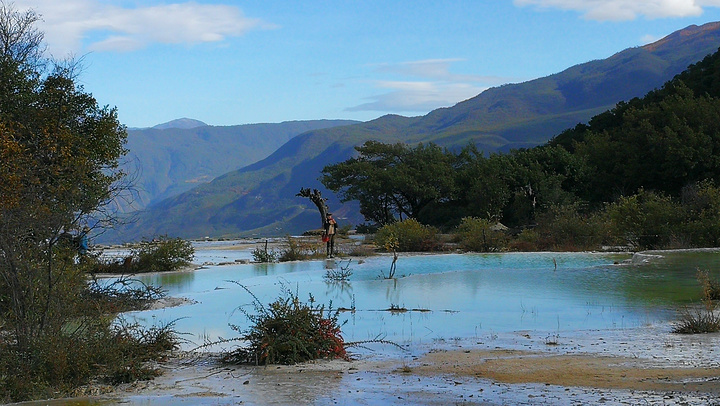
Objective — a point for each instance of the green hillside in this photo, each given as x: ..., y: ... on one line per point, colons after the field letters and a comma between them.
x: 260, y: 198
x: 168, y: 159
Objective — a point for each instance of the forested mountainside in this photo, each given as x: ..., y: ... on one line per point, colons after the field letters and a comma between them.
x: 174, y: 157
x: 259, y: 199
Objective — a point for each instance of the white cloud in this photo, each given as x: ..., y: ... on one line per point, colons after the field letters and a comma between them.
x: 438, y: 69
x: 418, y: 97
x: 441, y: 88
x: 618, y: 10
x: 73, y: 26
x: 649, y: 39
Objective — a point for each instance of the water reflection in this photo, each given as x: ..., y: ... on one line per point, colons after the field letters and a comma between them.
x: 464, y: 295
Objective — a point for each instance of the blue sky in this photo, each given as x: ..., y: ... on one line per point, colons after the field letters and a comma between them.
x: 231, y: 62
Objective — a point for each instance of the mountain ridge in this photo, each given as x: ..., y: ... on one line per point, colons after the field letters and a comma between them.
x: 180, y: 123
x: 169, y: 161
x: 259, y: 199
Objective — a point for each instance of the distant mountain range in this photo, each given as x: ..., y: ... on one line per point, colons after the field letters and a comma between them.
x: 259, y: 199
x: 174, y: 157
x: 181, y: 123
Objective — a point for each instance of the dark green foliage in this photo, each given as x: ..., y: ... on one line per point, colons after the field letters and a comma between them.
x: 288, y: 331
x: 162, y: 254
x: 393, y: 180
x: 571, y: 228
x: 480, y: 235
x: 662, y: 146
x: 264, y: 255
x: 701, y: 202
x: 59, y: 153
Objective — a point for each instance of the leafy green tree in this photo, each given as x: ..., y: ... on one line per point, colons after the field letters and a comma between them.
x: 483, y: 184
x: 662, y: 146
x: 538, y: 179
x: 59, y: 155
x: 393, y: 181
x: 646, y: 220
x: 701, y: 202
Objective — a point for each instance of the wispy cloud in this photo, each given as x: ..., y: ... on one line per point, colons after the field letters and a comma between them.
x: 434, y: 86
x: 619, y: 10
x: 73, y: 26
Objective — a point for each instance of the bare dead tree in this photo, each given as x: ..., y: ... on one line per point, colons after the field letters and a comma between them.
x: 320, y: 202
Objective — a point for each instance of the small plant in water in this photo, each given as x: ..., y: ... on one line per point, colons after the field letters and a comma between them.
x: 397, y: 308
x: 264, y: 255
x: 339, y: 274
x: 705, y: 318
x: 552, y: 339
x: 391, y: 244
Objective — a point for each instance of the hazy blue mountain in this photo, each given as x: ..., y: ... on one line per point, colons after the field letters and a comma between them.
x: 259, y: 199
x: 182, y: 123
x: 171, y: 158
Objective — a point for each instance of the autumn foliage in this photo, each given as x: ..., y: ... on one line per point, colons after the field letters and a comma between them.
x: 289, y: 331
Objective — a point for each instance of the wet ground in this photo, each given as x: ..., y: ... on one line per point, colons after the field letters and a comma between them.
x: 648, y: 366
x: 571, y: 332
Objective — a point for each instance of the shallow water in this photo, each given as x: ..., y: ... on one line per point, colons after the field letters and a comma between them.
x: 447, y: 296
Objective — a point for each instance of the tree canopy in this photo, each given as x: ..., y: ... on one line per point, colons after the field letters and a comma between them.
x: 59, y: 153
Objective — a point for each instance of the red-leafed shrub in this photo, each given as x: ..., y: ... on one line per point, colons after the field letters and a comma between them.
x: 288, y: 331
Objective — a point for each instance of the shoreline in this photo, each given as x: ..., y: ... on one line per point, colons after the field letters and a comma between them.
x: 643, y: 364
x: 626, y: 366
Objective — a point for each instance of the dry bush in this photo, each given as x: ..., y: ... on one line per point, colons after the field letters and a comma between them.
x: 288, y: 331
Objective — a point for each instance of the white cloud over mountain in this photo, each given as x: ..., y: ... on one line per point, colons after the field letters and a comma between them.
x: 436, y: 87
x: 73, y: 26
x: 618, y: 10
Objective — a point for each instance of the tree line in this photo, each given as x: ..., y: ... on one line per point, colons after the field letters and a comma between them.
x: 644, y: 173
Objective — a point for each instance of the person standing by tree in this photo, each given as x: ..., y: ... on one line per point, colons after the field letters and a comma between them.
x: 330, y: 231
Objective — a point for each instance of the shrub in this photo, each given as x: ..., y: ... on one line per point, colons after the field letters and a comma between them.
x: 90, y: 348
x: 647, y: 220
x: 528, y: 240
x: 162, y: 254
x: 288, y: 331
x: 710, y: 287
x: 411, y: 236
x: 264, y: 256
x: 568, y: 228
x: 698, y: 320
x: 702, y: 319
x: 299, y: 250
x: 480, y: 235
